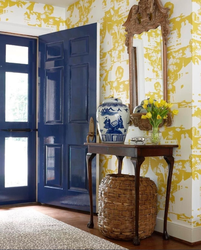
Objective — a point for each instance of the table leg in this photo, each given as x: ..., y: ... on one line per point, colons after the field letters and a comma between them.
x: 120, y: 159
x: 170, y: 162
x: 89, y: 158
x: 137, y: 161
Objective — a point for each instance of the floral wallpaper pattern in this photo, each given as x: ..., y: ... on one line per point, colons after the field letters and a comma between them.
x: 32, y: 14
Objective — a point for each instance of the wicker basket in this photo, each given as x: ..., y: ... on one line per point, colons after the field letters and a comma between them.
x: 116, y: 206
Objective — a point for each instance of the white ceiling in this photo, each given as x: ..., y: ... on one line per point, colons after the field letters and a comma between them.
x: 60, y: 3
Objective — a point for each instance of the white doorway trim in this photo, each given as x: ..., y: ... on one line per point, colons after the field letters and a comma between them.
x: 23, y: 29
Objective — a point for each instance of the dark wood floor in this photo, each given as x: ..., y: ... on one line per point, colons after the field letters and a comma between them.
x: 80, y: 220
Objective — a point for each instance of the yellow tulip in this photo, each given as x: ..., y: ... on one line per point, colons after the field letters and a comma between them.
x: 175, y: 112
x: 162, y: 102
x: 169, y: 105
x: 148, y: 115
x: 157, y: 110
x: 151, y: 100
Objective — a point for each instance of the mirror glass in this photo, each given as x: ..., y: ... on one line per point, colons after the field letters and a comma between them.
x: 148, y: 63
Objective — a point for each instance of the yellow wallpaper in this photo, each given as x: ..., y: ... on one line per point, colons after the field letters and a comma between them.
x: 196, y: 108
x: 184, y: 88
x: 32, y: 14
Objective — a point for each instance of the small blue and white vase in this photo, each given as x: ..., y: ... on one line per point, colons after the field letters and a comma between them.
x: 113, y: 119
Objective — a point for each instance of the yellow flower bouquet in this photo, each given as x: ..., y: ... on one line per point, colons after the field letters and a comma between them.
x: 156, y: 113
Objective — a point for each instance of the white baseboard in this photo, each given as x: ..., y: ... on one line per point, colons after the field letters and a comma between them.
x: 186, y: 233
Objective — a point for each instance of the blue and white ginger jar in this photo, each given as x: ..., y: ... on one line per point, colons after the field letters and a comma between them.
x: 113, y: 119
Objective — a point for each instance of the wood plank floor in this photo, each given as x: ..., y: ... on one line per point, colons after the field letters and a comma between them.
x: 80, y: 220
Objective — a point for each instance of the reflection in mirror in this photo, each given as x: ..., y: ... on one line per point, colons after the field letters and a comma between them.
x: 148, y: 64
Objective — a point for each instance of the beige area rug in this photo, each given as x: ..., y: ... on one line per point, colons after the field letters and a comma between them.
x: 33, y: 230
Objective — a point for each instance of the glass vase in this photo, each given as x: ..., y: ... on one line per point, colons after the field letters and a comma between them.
x: 155, y: 135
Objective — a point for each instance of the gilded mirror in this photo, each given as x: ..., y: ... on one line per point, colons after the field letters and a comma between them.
x: 147, y: 29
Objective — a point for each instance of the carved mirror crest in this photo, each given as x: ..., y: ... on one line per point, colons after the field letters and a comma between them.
x: 148, y: 15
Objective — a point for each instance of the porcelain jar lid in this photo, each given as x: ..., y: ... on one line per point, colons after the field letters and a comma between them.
x: 112, y: 100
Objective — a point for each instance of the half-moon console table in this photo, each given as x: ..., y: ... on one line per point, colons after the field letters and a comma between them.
x: 137, y: 154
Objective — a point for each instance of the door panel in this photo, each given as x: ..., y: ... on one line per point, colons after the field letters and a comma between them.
x: 17, y: 120
x: 67, y: 84
x: 77, y: 175
x: 77, y: 106
x: 54, y: 96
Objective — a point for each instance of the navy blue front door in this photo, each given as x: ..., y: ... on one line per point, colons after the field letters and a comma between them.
x: 17, y: 119
x: 67, y: 100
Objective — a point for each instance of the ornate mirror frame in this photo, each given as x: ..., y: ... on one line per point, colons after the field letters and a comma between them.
x: 148, y: 14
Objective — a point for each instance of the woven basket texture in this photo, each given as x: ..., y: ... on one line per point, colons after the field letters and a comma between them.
x: 116, y: 206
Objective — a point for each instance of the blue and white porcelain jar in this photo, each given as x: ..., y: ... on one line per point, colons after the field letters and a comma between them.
x: 113, y: 119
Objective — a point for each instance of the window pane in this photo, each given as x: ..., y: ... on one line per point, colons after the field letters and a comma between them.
x: 16, y: 97
x: 16, y: 164
x: 16, y: 54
